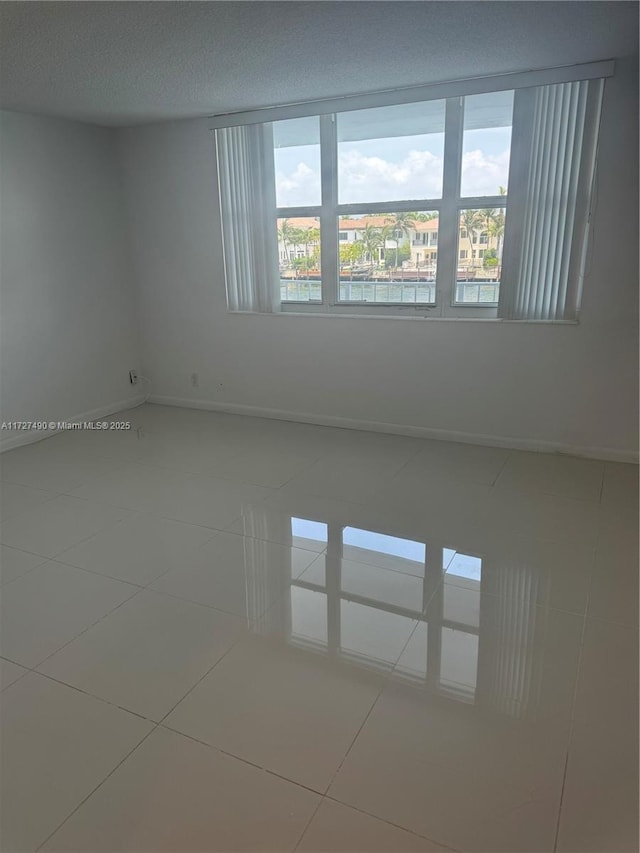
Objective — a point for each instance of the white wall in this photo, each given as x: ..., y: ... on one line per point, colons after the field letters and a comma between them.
x: 560, y: 387
x: 68, y: 330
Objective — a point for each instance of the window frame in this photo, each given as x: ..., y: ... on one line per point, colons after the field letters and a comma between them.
x: 448, y: 208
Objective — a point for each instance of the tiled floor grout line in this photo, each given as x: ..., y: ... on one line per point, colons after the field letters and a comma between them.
x: 387, y: 679
x: 193, y: 687
x: 564, y: 779
x: 571, y: 721
x: 23, y: 550
x: 125, y: 463
x: 161, y: 724
x: 89, y: 627
x: 139, y: 588
x: 297, y: 474
x: 390, y: 823
x: 93, y: 791
x: 357, y: 734
x: 90, y: 695
x: 322, y: 796
x: 156, y: 724
x: 5, y: 584
x: 604, y: 474
x: 54, y: 492
x: 98, y: 574
x: 502, y: 467
x: 307, y: 825
x: 241, y: 758
x: 107, y: 527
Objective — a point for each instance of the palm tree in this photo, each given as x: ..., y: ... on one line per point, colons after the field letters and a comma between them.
x: 386, y: 233
x: 471, y: 221
x: 494, y: 221
x: 285, y: 233
x: 296, y: 239
x: 371, y: 240
x: 496, y: 229
x: 487, y: 216
x: 402, y: 225
x: 305, y: 235
x: 313, y: 235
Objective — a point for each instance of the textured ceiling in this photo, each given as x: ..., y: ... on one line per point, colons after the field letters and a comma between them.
x: 128, y: 62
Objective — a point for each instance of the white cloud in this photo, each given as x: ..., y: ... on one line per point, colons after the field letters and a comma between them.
x: 482, y: 173
x: 299, y: 187
x: 365, y: 178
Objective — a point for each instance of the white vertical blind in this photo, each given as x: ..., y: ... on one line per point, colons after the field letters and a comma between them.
x: 550, y: 185
x: 247, y: 205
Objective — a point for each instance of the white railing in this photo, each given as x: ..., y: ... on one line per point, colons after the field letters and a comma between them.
x: 477, y: 292
x: 421, y: 292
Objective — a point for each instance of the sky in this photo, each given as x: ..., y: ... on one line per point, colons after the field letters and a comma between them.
x: 393, y: 169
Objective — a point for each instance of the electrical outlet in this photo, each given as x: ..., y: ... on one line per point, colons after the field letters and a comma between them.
x: 133, y: 377
x: 195, y: 380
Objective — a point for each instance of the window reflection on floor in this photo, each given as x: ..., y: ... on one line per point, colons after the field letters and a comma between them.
x: 305, y: 532
x: 408, y: 607
x: 309, y: 616
x: 383, y: 586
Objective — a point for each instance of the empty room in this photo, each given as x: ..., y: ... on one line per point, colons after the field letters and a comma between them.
x: 319, y: 427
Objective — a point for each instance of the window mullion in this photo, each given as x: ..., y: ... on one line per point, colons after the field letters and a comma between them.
x: 449, y: 216
x: 329, y: 212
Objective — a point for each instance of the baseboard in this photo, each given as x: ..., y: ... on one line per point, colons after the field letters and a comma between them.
x: 9, y: 440
x: 604, y: 453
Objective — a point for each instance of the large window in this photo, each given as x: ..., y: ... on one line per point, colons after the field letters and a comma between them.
x: 470, y: 205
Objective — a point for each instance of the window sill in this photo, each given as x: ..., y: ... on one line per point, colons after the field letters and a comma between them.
x: 413, y: 318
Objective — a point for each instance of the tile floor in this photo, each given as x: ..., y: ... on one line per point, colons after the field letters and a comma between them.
x: 231, y: 634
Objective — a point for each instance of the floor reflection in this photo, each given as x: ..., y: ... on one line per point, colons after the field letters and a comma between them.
x: 417, y: 608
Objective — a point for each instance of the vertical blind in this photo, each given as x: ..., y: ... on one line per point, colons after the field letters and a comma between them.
x: 550, y: 183
x: 247, y: 206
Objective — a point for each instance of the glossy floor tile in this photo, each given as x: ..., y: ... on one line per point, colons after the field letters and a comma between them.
x: 147, y: 654
x: 15, y: 498
x: 228, y: 633
x: 56, y: 525
x: 273, y: 469
x: 614, y: 588
x: 50, y: 605
x: 138, y: 549
x: 57, y: 746
x: 279, y: 708
x: 453, y: 461
x: 553, y: 474
x: 620, y: 489
x: 14, y: 563
x: 336, y: 828
x: 49, y: 466
x: 476, y: 725
x: 173, y: 794
x: 10, y: 672
x: 173, y: 494
x: 224, y: 572
x: 600, y: 797
x: 347, y: 479
x: 555, y: 574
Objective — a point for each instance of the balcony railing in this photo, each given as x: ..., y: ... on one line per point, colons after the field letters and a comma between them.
x: 467, y: 293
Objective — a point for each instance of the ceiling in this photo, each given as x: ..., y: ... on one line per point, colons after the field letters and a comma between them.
x: 124, y: 63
